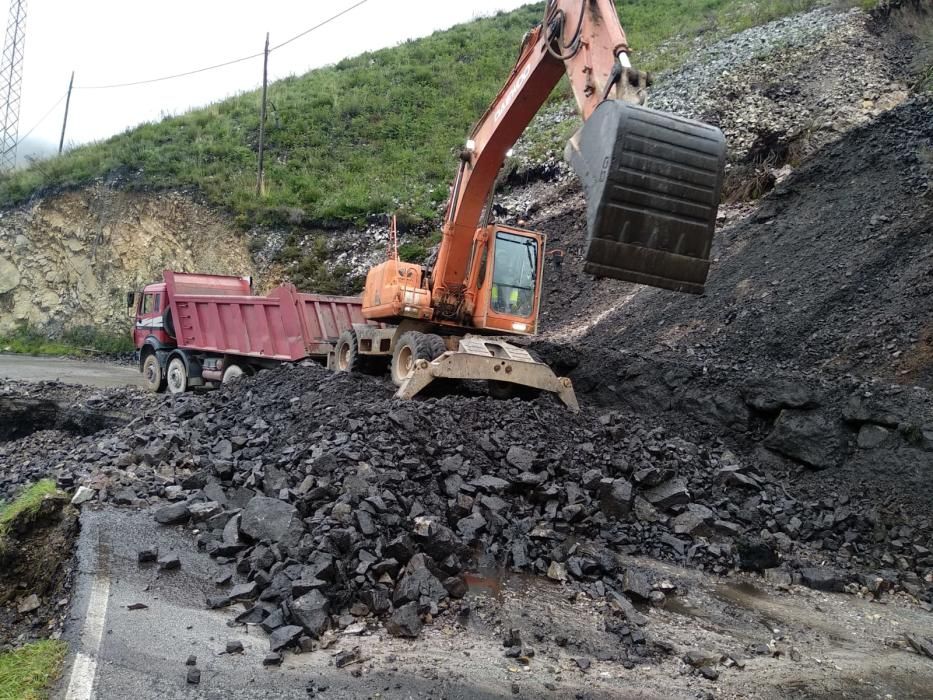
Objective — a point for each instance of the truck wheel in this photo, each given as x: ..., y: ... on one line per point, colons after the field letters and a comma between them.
x: 232, y: 373
x: 347, y: 353
x: 177, y: 376
x: 153, y: 377
x: 410, y: 348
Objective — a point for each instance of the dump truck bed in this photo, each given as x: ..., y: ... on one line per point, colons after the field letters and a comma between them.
x: 218, y: 314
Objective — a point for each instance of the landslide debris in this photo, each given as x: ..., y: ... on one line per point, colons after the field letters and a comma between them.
x: 330, y: 502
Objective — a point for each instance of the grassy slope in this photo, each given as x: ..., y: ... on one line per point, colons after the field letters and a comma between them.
x: 27, y: 672
x: 372, y: 134
x: 80, y: 341
x: 26, y: 505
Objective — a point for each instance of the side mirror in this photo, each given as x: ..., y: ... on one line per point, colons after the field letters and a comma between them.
x: 131, y: 304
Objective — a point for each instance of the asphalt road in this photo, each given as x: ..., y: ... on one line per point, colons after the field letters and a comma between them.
x: 29, y: 368
x: 116, y: 652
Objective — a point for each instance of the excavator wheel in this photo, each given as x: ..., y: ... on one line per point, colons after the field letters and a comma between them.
x: 410, y: 348
x: 435, y: 345
x: 348, y: 353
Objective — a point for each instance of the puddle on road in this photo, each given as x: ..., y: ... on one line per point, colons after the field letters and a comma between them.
x: 739, y: 593
x: 494, y: 582
x: 679, y: 606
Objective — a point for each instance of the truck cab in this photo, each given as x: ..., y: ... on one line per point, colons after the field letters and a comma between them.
x: 149, y: 319
x: 150, y: 334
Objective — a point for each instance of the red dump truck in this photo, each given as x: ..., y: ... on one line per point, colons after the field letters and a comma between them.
x: 200, y: 330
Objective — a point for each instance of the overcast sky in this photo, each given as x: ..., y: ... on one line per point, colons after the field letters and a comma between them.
x: 115, y: 41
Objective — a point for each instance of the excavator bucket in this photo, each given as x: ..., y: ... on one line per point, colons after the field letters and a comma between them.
x: 652, y: 182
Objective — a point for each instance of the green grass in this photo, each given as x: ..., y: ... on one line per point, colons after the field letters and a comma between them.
x: 372, y: 134
x: 25, y: 507
x: 26, y: 673
x: 79, y: 341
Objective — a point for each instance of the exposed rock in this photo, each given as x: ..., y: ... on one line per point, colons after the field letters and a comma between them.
x: 173, y: 514
x: 271, y: 520
x: 807, y: 437
x: 405, y: 621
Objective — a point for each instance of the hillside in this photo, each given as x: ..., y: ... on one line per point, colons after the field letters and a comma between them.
x: 372, y: 134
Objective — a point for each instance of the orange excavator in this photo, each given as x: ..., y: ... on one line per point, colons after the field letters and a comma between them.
x: 652, y: 182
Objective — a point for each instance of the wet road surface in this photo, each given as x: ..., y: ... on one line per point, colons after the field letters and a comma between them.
x: 29, y: 368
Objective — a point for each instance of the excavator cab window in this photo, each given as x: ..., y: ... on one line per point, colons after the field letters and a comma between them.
x: 514, y: 274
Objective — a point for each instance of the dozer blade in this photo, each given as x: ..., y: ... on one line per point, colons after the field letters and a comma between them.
x: 492, y: 360
x: 652, y: 182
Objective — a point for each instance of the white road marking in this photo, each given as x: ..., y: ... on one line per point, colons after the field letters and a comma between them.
x: 81, y: 685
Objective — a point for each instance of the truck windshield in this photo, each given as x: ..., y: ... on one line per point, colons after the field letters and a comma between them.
x: 514, y: 274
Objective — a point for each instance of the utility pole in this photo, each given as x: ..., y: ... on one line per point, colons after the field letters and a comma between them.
x: 11, y: 83
x: 260, y: 184
x: 61, y: 142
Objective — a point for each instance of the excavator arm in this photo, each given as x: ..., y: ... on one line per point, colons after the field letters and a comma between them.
x: 652, y: 180
x: 580, y: 38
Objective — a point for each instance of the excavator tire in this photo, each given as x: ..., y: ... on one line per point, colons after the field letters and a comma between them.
x: 652, y: 182
x: 410, y: 348
x: 435, y: 345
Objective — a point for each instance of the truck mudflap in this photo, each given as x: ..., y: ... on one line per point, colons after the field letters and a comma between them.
x: 652, y: 182
x: 487, y: 359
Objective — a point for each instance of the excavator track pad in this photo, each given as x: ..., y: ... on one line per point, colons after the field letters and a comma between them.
x: 489, y: 359
x: 652, y: 182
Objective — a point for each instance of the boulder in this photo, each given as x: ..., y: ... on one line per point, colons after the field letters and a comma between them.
x: 405, y: 621
x: 173, y: 514
x: 312, y: 612
x: 671, y: 493
x: 807, y: 437
x: 616, y: 497
x: 272, y: 520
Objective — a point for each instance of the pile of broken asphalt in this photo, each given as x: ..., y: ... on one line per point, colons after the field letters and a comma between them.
x: 325, y: 502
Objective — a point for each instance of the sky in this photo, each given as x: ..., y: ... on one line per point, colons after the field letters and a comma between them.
x: 116, y: 41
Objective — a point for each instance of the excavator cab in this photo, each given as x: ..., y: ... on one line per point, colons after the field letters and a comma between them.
x: 652, y: 182
x: 508, y: 289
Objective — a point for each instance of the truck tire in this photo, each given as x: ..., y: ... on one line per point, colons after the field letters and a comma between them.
x: 410, y: 348
x: 153, y: 376
x: 347, y: 353
x: 176, y: 376
x: 231, y: 374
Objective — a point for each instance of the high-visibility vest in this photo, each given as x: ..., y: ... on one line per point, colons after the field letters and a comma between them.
x: 513, y: 295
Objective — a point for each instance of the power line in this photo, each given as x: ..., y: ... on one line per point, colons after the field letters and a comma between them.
x: 168, y: 77
x: 42, y: 119
x: 225, y: 63
x: 318, y: 26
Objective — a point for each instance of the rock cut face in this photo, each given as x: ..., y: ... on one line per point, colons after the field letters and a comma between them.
x: 69, y: 259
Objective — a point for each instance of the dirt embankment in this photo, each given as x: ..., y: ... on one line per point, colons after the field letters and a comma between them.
x: 69, y: 258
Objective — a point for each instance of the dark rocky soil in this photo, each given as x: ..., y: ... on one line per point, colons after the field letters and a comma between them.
x: 331, y: 502
x: 36, y: 573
